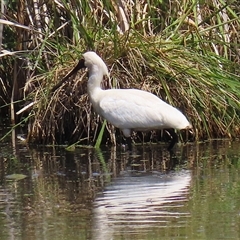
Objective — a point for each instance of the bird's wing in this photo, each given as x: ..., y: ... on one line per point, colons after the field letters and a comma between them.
x: 132, y: 109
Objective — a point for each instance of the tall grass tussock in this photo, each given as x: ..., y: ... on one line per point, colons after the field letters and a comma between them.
x: 187, y: 53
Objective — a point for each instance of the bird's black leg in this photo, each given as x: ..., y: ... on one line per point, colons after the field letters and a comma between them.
x: 174, y: 139
x: 129, y: 143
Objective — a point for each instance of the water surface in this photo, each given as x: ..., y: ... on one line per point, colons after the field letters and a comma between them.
x: 109, y: 194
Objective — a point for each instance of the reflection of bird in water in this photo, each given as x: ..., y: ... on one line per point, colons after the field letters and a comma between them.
x: 128, y: 109
x: 136, y: 201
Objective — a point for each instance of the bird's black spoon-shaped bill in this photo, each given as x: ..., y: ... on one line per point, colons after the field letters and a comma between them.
x: 74, y: 71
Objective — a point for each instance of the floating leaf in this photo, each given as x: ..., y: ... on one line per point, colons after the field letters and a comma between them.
x: 16, y: 177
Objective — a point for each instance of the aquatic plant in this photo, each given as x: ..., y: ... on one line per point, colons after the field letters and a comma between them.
x: 184, y: 52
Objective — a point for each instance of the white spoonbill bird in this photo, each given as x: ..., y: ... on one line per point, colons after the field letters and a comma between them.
x: 128, y: 109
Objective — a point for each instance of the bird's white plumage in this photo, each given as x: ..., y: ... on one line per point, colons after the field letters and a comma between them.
x: 129, y: 109
x: 125, y: 109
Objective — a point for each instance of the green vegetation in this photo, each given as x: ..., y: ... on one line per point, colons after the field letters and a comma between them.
x: 185, y: 52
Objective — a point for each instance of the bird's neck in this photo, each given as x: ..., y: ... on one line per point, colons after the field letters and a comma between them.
x: 95, y: 77
x: 94, y: 84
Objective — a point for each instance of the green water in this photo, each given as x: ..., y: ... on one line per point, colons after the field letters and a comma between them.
x: 109, y: 194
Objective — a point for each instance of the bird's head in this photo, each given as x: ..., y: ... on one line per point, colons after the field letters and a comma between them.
x: 91, y: 59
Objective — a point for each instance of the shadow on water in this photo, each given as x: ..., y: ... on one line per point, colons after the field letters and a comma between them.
x: 109, y: 194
